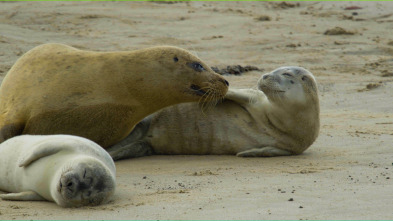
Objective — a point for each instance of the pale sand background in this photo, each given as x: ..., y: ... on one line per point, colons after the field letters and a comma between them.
x: 346, y: 174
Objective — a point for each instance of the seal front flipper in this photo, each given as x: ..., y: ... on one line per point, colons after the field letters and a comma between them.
x: 264, y: 152
x: 241, y: 96
x: 22, y: 196
x: 42, y: 151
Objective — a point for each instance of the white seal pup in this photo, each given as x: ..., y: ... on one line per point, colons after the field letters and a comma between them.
x: 280, y: 118
x: 69, y: 170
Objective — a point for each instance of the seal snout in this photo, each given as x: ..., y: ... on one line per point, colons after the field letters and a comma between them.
x: 68, y: 186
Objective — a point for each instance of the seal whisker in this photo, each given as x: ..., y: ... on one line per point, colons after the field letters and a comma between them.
x: 207, y: 100
x: 200, y: 101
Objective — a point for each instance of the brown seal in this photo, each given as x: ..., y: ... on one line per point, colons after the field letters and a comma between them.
x: 280, y: 118
x: 57, y: 89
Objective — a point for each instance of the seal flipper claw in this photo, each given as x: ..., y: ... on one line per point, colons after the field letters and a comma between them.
x: 22, y: 196
x: 264, y: 152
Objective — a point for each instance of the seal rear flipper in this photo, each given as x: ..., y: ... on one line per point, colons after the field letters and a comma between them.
x: 22, y: 196
x: 133, y: 145
x: 132, y: 150
x: 264, y: 152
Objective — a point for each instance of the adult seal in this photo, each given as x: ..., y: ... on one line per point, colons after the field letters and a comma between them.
x: 280, y: 118
x: 57, y: 89
x: 69, y: 170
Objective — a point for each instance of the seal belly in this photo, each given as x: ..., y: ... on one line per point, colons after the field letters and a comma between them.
x: 103, y: 121
x: 185, y: 129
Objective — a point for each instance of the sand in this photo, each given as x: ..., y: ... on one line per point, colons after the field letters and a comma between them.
x: 346, y: 174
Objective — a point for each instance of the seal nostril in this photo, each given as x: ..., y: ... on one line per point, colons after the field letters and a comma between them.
x: 226, y: 82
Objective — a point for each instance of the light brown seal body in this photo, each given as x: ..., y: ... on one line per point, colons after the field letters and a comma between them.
x: 280, y: 118
x: 57, y: 89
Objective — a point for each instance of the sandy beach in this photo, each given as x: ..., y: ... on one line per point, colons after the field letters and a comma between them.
x: 346, y: 174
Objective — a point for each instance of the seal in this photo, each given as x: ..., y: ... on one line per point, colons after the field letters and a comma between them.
x: 69, y: 170
x: 279, y: 118
x: 57, y: 89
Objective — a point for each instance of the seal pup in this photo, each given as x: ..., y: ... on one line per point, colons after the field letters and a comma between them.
x: 57, y: 89
x: 69, y: 170
x: 280, y: 118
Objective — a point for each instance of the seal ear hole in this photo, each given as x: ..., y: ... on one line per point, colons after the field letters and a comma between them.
x: 304, y: 78
x: 175, y: 59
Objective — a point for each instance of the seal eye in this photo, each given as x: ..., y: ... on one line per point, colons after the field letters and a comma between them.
x: 292, y: 82
x: 175, y: 59
x: 304, y: 78
x: 196, y: 66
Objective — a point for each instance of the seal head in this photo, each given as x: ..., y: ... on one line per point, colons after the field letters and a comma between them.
x: 87, y: 182
x: 293, y: 93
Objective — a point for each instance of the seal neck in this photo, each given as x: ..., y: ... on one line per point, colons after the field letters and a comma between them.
x: 300, y: 125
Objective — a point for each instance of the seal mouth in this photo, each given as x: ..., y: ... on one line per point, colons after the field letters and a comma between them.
x: 197, y: 90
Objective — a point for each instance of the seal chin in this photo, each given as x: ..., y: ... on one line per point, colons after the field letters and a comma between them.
x: 197, y: 90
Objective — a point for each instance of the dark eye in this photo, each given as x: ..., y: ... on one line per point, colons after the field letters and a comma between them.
x: 304, y: 78
x: 196, y: 66
x: 175, y: 59
x: 292, y: 82
x: 286, y: 74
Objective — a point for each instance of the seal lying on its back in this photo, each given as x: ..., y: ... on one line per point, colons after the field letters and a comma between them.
x: 280, y: 118
x: 57, y: 89
x: 71, y: 171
